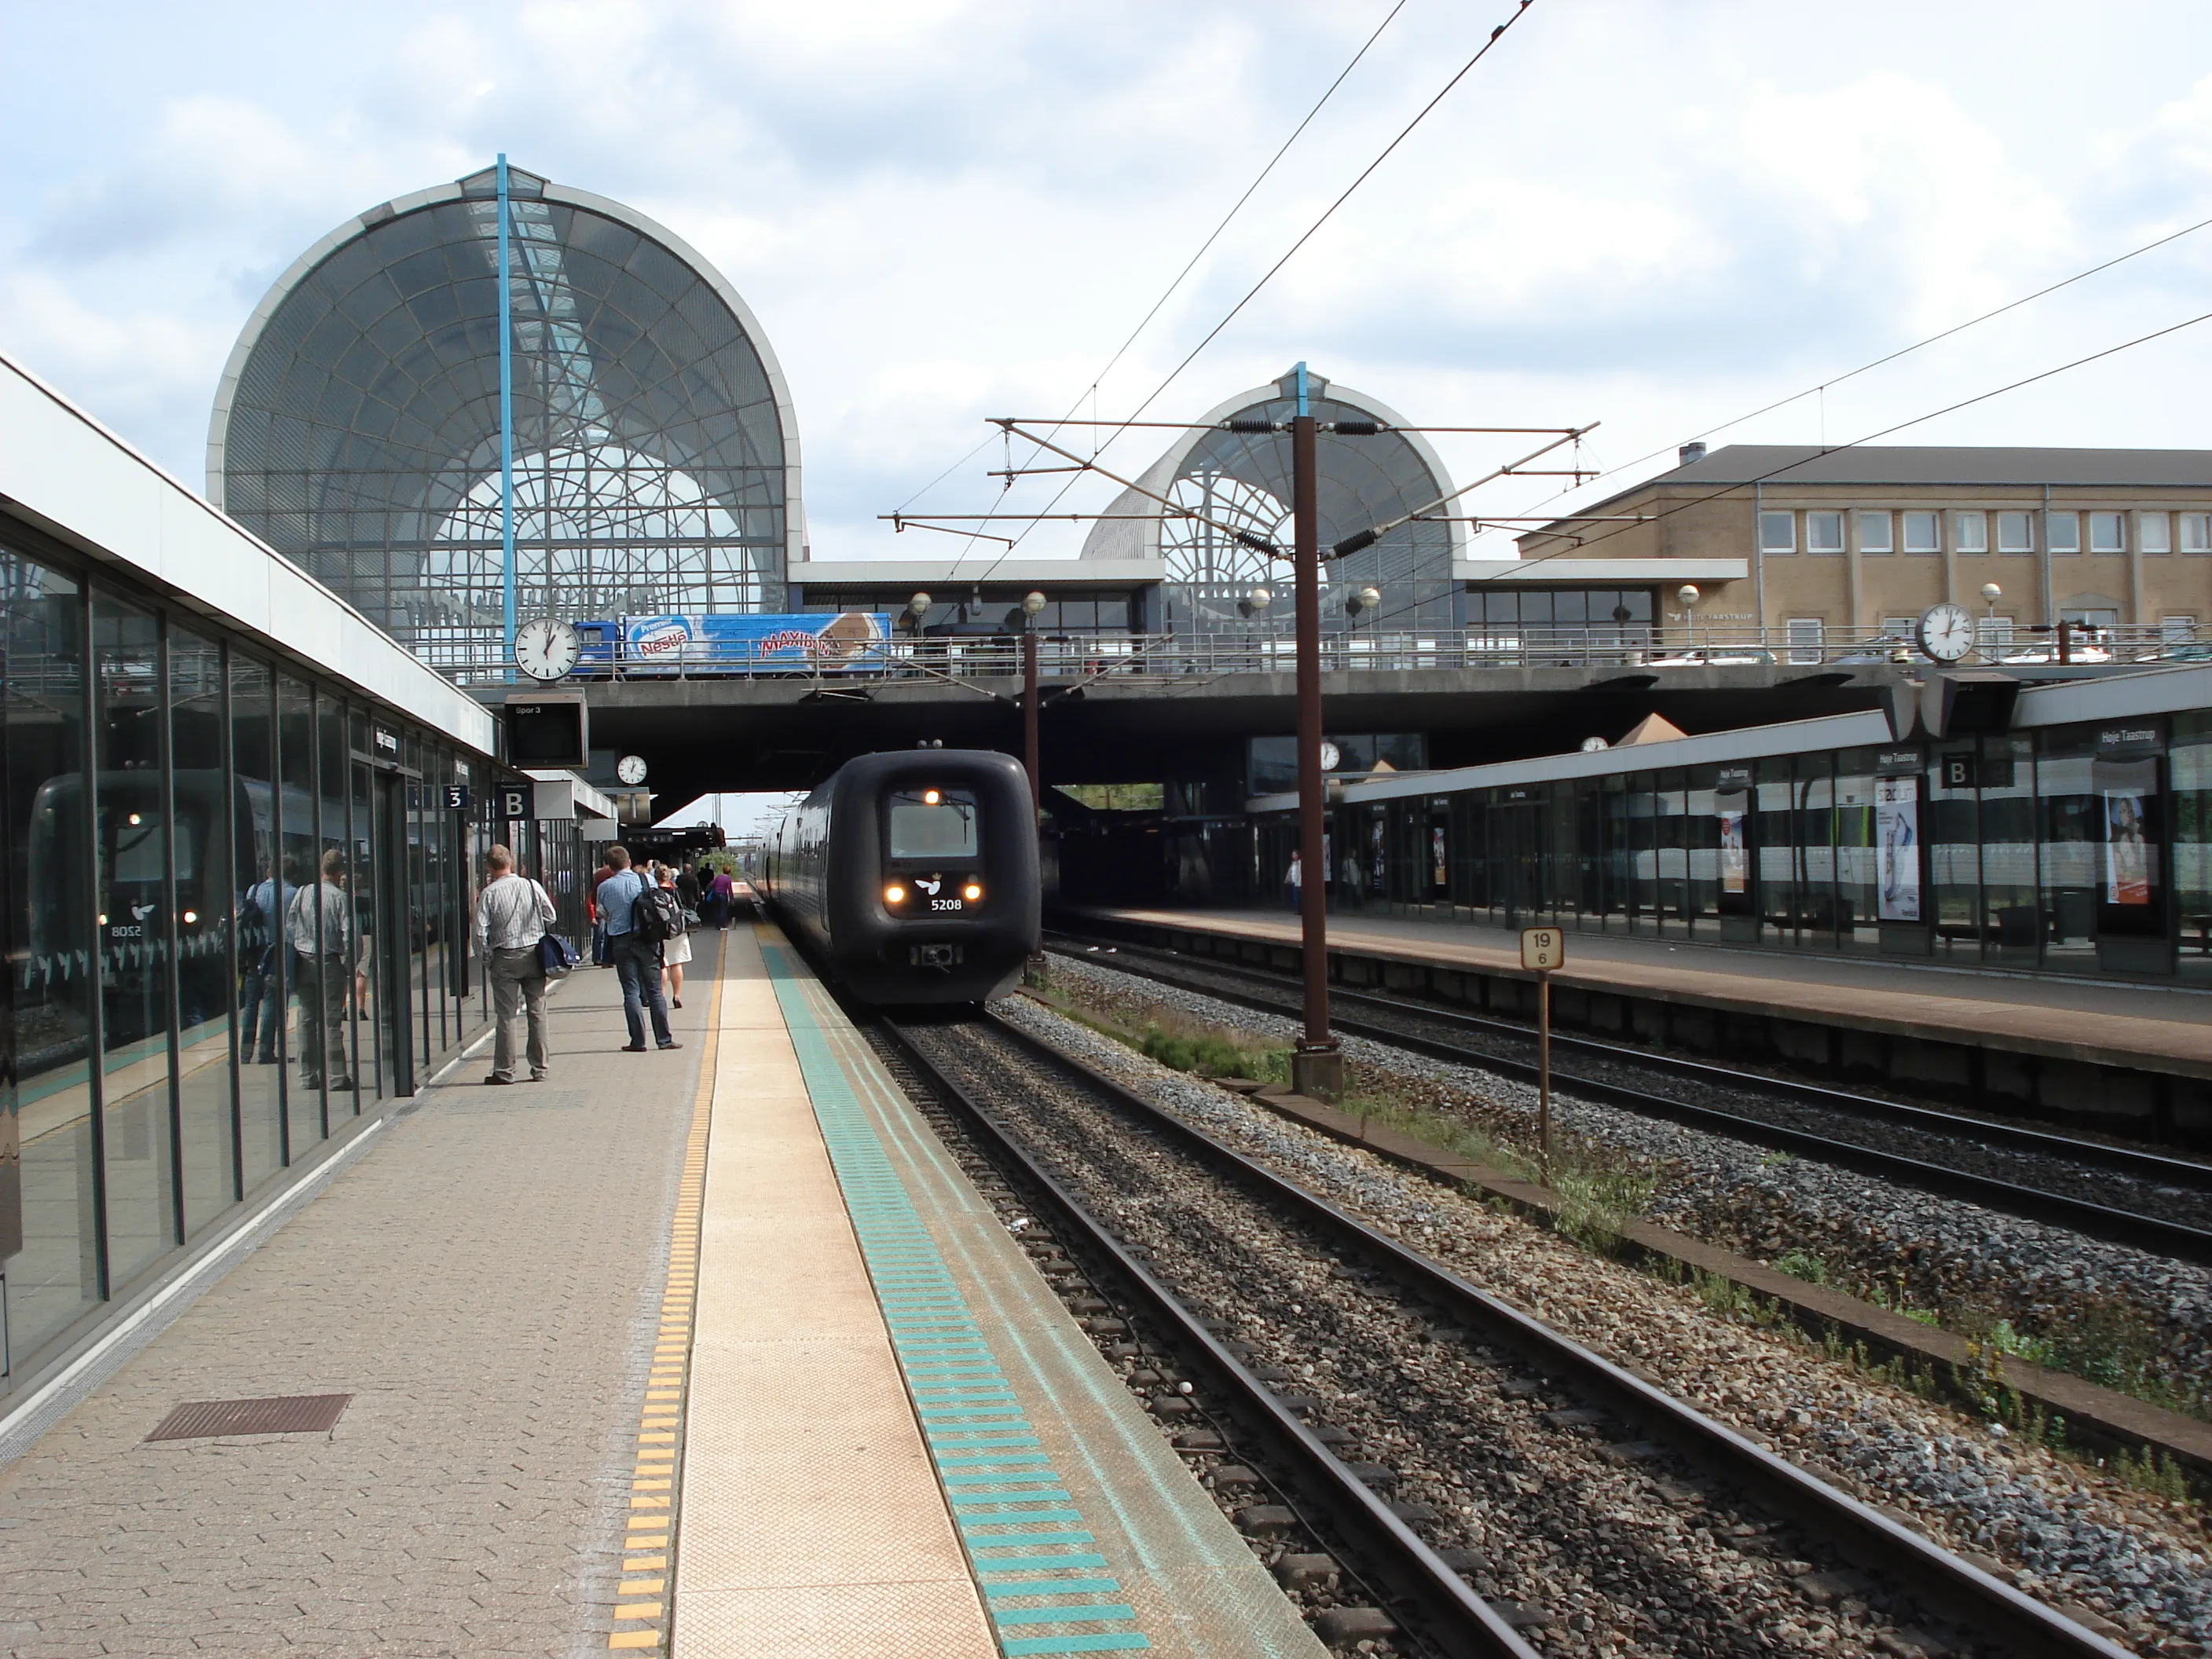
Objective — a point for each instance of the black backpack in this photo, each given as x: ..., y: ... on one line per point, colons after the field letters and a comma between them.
x: 657, y: 914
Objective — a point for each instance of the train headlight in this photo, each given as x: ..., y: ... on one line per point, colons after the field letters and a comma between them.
x: 929, y: 798
x: 895, y: 894
x: 971, y: 892
x: 191, y: 916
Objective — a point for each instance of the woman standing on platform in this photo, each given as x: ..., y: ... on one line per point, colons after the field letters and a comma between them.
x: 722, y: 893
x: 674, y: 952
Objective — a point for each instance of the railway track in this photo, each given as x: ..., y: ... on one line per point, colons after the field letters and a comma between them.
x: 1828, y: 1122
x: 1448, y: 1379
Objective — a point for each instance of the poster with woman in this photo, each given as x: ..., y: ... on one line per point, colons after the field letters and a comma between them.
x: 2127, y: 849
x: 1897, y: 847
x: 1735, y: 858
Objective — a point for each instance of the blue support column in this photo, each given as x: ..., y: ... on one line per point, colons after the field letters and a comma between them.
x: 506, y: 428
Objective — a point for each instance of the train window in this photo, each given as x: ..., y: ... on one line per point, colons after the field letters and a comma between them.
x: 926, y: 827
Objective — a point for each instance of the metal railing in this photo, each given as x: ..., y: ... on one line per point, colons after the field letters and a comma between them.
x: 1062, y: 658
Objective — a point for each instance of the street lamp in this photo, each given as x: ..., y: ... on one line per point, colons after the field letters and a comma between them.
x: 917, y: 607
x: 1687, y: 594
x: 1032, y: 603
x: 1255, y: 602
x: 1991, y: 594
x: 1365, y: 599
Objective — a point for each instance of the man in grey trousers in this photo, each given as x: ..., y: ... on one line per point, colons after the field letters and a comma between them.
x: 512, y: 911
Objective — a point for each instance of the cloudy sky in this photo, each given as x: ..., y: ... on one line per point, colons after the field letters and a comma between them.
x: 1657, y: 214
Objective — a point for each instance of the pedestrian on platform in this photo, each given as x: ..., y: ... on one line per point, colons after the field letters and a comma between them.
x: 261, y: 938
x: 677, y: 952
x: 636, y: 958
x: 1294, y: 881
x: 722, y: 894
x: 319, y: 926
x: 512, y: 915
x: 689, y: 890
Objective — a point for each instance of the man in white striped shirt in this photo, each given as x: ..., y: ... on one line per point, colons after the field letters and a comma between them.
x: 512, y: 911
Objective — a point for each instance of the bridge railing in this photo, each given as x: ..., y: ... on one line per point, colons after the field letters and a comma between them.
x: 1063, y: 657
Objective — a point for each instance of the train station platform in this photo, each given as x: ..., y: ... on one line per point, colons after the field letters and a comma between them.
x: 2133, y: 1059
x: 714, y: 1351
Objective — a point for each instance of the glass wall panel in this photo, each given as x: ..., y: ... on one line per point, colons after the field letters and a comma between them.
x: 2005, y: 777
x: 2070, y: 828
x: 50, y: 1246
x: 131, y: 835
x: 2191, y: 765
x: 1780, y: 856
x: 2133, y: 936
x: 365, y: 944
x: 264, y: 890
x: 205, y: 846
x: 1858, y: 875
x: 1619, y: 882
x: 303, y: 979
x: 1954, y: 854
x: 1671, y: 862
x: 1701, y: 838
x: 1815, y: 837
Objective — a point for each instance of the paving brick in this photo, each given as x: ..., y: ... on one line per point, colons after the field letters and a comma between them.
x: 485, y: 1281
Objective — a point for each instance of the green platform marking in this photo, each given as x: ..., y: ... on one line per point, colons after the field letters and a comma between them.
x: 964, y: 1403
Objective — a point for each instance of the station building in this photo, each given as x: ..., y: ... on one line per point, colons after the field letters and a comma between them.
x: 189, y: 714
x: 1842, y: 543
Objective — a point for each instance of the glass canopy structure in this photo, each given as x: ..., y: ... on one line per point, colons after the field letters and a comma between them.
x: 1241, y: 480
x: 649, y: 465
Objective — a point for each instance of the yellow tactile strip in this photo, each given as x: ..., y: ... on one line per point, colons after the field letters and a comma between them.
x: 640, y: 1613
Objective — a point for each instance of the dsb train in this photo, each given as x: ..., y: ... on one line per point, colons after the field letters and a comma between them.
x: 912, y: 875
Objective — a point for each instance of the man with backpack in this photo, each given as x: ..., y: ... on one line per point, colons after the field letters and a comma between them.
x: 511, y: 918
x: 638, y: 919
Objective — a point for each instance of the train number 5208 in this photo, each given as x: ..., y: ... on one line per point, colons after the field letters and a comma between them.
x: 945, y: 904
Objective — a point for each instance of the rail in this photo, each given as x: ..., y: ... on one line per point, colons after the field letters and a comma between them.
x: 1065, y: 658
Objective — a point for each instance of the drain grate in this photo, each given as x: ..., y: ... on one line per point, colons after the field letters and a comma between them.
x: 284, y: 1413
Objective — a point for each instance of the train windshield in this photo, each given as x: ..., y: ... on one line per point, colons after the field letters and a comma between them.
x: 932, y: 824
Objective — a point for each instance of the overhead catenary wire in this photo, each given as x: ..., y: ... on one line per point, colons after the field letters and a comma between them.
x: 1090, y: 392
x: 1889, y: 358
x: 1496, y: 33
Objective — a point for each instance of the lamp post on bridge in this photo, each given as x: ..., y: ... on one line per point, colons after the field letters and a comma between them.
x: 1032, y: 603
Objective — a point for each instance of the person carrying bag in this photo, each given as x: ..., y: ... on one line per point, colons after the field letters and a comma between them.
x: 511, y: 916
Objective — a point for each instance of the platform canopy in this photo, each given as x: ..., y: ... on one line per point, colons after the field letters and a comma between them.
x: 1242, y: 480
x: 655, y: 460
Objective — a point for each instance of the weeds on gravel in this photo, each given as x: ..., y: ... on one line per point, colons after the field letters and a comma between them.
x: 1803, y: 1264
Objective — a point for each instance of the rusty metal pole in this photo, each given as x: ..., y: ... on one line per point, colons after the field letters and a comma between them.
x: 1317, y: 1063
x: 1030, y: 717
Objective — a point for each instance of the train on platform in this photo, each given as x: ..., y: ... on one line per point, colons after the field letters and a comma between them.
x: 911, y: 876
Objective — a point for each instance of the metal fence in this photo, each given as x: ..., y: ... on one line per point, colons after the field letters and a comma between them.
x: 1062, y: 658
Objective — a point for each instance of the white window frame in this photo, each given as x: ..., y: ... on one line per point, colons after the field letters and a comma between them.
x: 1823, y: 520
x: 2196, y: 535
x: 2062, y: 531
x: 2115, y: 522
x: 1933, y: 521
x: 2022, y: 521
x: 1885, y: 537
x: 1769, y: 518
x: 2154, y: 532
x: 1803, y: 638
x: 1970, y: 531
x: 2177, y: 630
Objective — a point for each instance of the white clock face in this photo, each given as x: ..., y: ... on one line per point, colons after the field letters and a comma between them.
x: 545, y: 649
x: 1947, y: 632
x: 630, y: 769
x: 1330, y: 757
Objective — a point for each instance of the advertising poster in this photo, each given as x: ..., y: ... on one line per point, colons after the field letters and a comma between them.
x: 1440, y: 871
x: 1735, y: 858
x: 1376, y: 859
x: 2127, y: 850
x: 808, y: 641
x: 1897, y: 847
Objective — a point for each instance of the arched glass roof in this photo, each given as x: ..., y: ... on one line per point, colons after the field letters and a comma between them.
x: 656, y: 465
x: 1242, y: 480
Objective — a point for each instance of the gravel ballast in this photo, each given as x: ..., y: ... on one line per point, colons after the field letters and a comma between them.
x: 2068, y: 1533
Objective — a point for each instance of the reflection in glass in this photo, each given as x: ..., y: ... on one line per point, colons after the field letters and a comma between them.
x: 263, y: 890
x: 203, y: 814
x: 303, y: 1096
x: 49, y: 1246
x: 131, y: 852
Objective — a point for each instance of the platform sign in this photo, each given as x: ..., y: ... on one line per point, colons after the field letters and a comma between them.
x: 1543, y: 949
x: 513, y: 802
x: 456, y: 797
